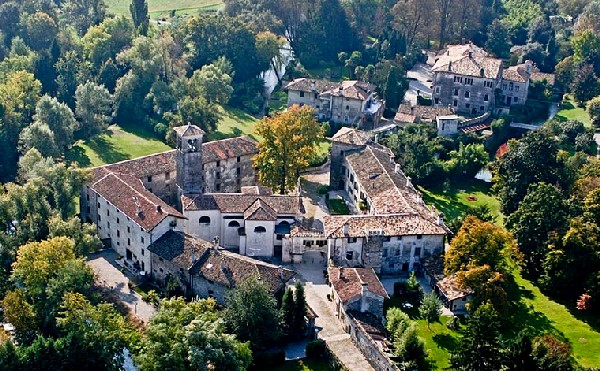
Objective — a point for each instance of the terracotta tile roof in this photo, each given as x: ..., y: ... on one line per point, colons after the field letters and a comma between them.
x: 461, y: 50
x: 259, y: 210
x: 410, y: 114
x: 239, y: 203
x: 351, y: 136
x: 387, y: 188
x: 222, y: 150
x: 348, y: 89
x: 476, y: 66
x: 451, y: 289
x: 541, y: 76
x: 220, y: 266
x: 347, y: 283
x: 189, y: 129
x: 128, y: 194
x: 388, y: 225
x: 180, y: 248
x: 516, y: 73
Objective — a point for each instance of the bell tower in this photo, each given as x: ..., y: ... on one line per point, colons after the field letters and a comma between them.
x: 189, y: 159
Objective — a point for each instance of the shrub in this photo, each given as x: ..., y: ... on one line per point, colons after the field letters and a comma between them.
x: 316, y: 349
x: 400, y: 288
x: 323, y: 189
x: 268, y: 359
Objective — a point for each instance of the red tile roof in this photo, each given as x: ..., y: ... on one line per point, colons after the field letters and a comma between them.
x: 389, y: 225
x: 348, y: 282
x: 239, y: 203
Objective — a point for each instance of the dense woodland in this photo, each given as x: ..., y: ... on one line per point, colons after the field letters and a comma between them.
x: 68, y: 69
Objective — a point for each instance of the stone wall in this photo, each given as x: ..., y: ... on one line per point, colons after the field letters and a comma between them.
x: 379, y: 360
x: 229, y: 176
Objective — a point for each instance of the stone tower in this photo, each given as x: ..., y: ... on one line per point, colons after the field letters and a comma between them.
x: 189, y: 159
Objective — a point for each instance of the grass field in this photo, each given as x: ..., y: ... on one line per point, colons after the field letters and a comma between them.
x: 114, y: 145
x: 161, y: 8
x: 461, y: 196
x: 570, y: 111
x: 234, y: 123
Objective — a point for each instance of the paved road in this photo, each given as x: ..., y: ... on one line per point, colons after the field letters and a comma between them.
x: 418, y: 76
x: 332, y: 332
x: 108, y: 275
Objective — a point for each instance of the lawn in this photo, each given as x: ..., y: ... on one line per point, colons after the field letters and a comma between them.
x: 161, y: 8
x: 304, y: 365
x: 234, y: 123
x: 585, y: 342
x: 114, y: 145
x: 570, y: 111
x: 461, y: 196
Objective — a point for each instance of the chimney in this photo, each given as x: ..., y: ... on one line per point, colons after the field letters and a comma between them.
x: 529, y: 66
x: 346, y: 229
x: 470, y: 54
x: 280, y: 272
x: 397, y: 169
x: 408, y: 183
x: 450, y: 66
x: 159, y: 209
x: 392, y: 159
x: 215, y: 242
x: 313, y: 85
x: 440, y: 219
x: 364, y: 289
x: 463, y: 41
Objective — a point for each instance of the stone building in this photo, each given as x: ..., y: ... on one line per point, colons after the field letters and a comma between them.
x: 398, y: 228
x: 349, y: 102
x: 356, y: 289
x: 252, y: 222
x: 346, y: 139
x: 134, y: 202
x: 408, y: 114
x: 466, y: 79
x: 515, y: 84
x: 205, y: 270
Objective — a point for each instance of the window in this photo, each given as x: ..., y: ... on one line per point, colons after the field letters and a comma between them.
x: 455, y: 103
x: 128, y: 242
x: 392, y: 265
x: 142, y: 239
x: 481, y: 108
x: 98, y: 205
x: 128, y: 230
x: 238, y: 171
x: 486, y: 98
x: 503, y: 86
x: 87, y: 197
x: 488, y: 84
x: 387, y: 239
x: 118, y: 220
x: 108, y: 225
x: 260, y: 229
x: 238, y: 159
x: 437, y: 89
x: 316, y: 95
x: 279, y: 237
x: 204, y: 220
x: 218, y: 175
x: 99, y: 217
x: 418, y: 251
x: 142, y: 252
x: 301, y: 94
x: 347, y: 108
x: 385, y: 252
x: 218, y: 163
x: 456, y: 92
x: 517, y: 87
x: 467, y: 94
x: 149, y: 178
x: 437, y: 100
x: 468, y: 105
x: 349, y: 255
x: 468, y: 81
x: 234, y: 224
x: 419, y: 236
x: 511, y: 86
x: 118, y: 233
x: 516, y: 99
x: 218, y: 187
x: 161, y: 270
x: 352, y: 240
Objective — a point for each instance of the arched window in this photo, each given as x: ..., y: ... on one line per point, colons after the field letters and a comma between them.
x: 285, y: 222
x: 234, y: 224
x: 204, y: 220
x: 260, y: 229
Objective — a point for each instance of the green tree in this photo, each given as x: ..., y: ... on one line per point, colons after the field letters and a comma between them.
x: 252, y: 314
x: 393, y: 92
x: 41, y: 30
x: 542, y: 211
x: 498, y: 39
x: 82, y: 14
x: 467, y: 161
x: 93, y: 108
x: 59, y: 118
x: 550, y: 353
x: 139, y: 14
x: 184, y: 336
x: 39, y: 137
x: 299, y: 310
x: 430, y: 308
x: 585, y: 84
x: 212, y: 84
x: 287, y: 313
x: 83, y: 235
x: 532, y: 159
x: 67, y: 69
x: 396, y: 322
x: 594, y: 111
x: 33, y: 165
x: 289, y: 142
x: 410, y: 348
x: 478, y: 348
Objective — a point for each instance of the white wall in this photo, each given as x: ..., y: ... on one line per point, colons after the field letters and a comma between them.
x: 259, y: 244
x: 205, y: 231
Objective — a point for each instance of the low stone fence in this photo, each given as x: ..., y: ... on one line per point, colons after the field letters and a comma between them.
x: 474, y: 121
x: 378, y: 359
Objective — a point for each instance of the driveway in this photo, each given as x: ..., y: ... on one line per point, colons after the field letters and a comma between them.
x: 331, y: 329
x: 108, y: 275
x: 418, y: 77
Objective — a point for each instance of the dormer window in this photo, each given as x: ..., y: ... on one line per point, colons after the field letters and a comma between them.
x: 301, y: 94
x: 149, y: 178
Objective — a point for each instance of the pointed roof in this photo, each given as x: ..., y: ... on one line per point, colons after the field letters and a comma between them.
x: 188, y: 130
x: 260, y: 210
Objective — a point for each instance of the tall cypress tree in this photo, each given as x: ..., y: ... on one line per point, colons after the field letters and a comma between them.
x: 139, y: 14
x: 287, y: 312
x: 299, y: 310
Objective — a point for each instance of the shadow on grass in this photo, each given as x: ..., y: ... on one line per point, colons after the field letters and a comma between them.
x: 449, y: 202
x: 106, y: 150
x: 218, y: 135
x: 138, y: 130
x: 446, y: 341
x: 585, y: 316
x: 77, y: 155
